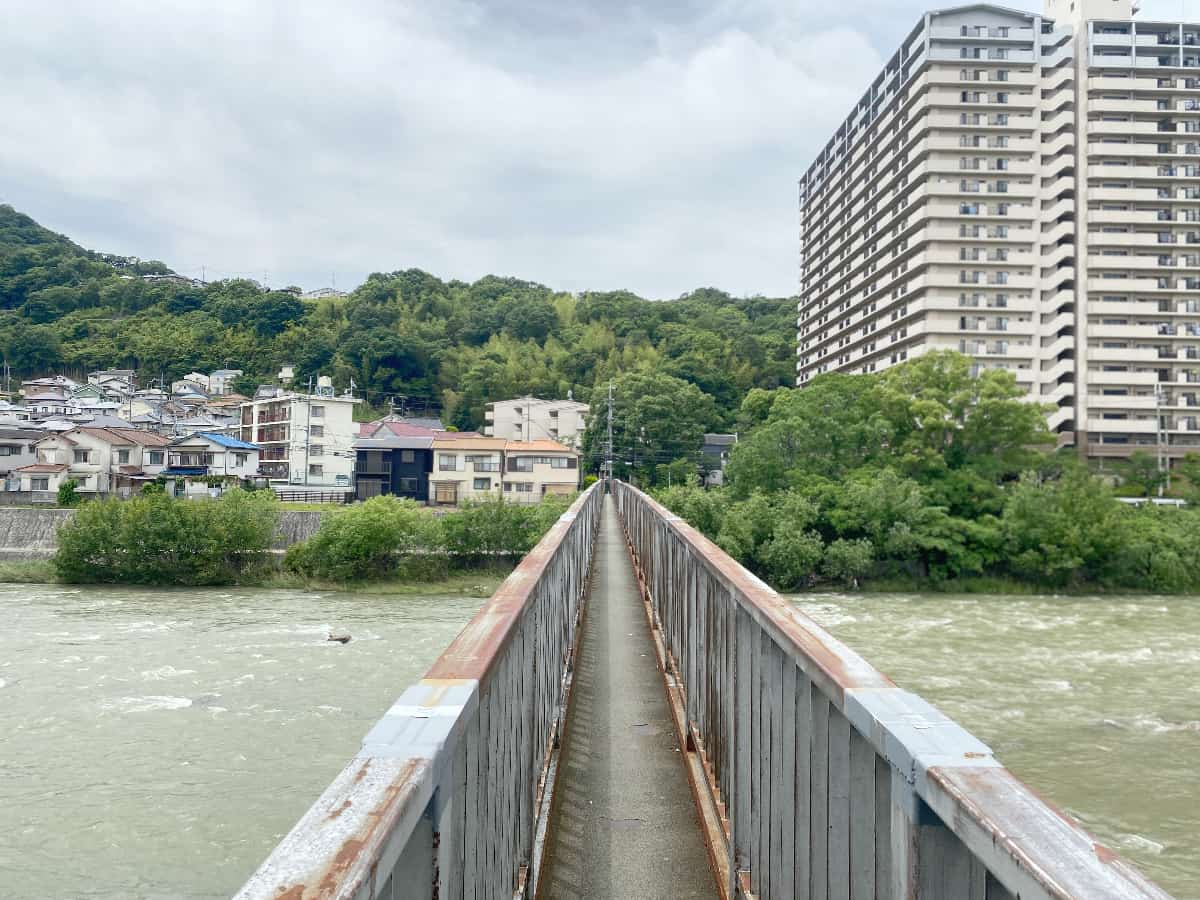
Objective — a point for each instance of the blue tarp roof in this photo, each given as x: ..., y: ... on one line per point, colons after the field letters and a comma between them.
x: 184, y: 471
x: 226, y: 441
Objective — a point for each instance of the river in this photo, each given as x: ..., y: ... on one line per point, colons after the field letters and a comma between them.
x: 158, y: 744
x: 1093, y: 701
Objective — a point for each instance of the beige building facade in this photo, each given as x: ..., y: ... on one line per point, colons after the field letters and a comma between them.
x: 1024, y: 189
x: 533, y: 419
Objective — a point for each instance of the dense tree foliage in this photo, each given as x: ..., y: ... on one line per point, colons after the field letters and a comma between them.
x: 155, y: 539
x: 444, y: 345
x: 927, y: 473
x: 390, y: 536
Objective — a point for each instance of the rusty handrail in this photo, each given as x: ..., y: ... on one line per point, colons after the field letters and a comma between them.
x: 450, y: 793
x: 820, y: 776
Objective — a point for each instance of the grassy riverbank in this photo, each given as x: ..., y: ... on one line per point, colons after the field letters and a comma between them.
x: 475, y: 582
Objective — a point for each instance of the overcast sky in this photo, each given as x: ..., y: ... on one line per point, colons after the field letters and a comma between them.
x: 598, y: 144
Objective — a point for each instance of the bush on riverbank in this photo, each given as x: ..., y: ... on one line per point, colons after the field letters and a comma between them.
x: 365, y: 541
x: 930, y: 475
x: 387, y: 537
x: 154, y: 539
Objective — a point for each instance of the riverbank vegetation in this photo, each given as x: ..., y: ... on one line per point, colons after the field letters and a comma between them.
x: 929, y: 474
x: 385, y: 542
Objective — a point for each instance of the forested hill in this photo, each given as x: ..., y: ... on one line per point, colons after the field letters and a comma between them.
x: 444, y: 345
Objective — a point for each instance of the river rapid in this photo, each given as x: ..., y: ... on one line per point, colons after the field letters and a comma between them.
x: 159, y: 743
x: 1093, y: 701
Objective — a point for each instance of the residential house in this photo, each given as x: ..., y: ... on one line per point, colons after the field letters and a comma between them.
x: 534, y: 419
x: 307, y: 440
x: 466, y: 467
x: 114, y: 381
x: 101, y: 461
x: 714, y: 455
x: 221, y: 381
x: 195, y: 459
x: 16, y: 450
x: 393, y: 458
x: 185, y: 390
x: 533, y: 469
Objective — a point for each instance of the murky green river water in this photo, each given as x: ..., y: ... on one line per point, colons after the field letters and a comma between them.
x: 158, y: 744
x: 1093, y: 701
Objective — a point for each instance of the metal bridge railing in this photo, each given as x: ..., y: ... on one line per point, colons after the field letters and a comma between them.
x: 815, y: 775
x: 450, y: 794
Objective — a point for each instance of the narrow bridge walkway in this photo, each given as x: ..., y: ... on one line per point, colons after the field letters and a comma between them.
x: 625, y: 824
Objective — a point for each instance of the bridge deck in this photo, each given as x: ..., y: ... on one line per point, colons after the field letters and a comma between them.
x: 625, y: 824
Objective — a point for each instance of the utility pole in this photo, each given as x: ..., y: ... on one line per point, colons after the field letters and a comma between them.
x: 608, y: 460
x: 307, y: 428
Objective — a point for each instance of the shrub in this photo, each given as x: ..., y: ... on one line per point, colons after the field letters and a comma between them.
x: 497, y: 528
x: 154, y: 539
x: 68, y: 493
x: 366, y: 540
x: 848, y: 561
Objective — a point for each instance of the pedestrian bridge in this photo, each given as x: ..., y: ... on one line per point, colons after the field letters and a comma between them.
x: 634, y: 715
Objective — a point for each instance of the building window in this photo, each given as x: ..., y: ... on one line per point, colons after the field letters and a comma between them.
x: 483, y: 484
x: 522, y: 464
x: 448, y: 462
x: 239, y: 459
x: 7, y: 450
x: 39, y: 484
x: 81, y: 456
x: 408, y: 485
x: 318, y: 412
x: 123, y: 457
x: 524, y: 487
x: 407, y: 456
x: 316, y: 431
x: 156, y: 457
x: 316, y: 470
x: 316, y: 450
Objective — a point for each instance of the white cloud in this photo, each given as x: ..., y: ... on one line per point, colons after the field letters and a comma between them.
x: 298, y: 140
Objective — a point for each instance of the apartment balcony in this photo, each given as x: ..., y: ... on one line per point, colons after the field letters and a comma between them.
x: 1123, y: 379
x: 1138, y: 332
x: 1124, y: 355
x: 1141, y: 264
x: 1122, y: 285
x: 1125, y: 217
x: 1122, y: 402
x: 1124, y: 106
x: 1100, y: 127
x: 1122, y: 426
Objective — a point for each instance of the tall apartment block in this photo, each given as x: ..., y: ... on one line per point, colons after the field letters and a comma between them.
x: 1024, y: 189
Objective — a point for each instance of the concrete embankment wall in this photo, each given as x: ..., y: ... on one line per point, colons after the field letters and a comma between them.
x: 32, y: 533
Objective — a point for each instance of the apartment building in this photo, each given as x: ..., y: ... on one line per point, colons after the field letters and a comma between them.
x: 534, y: 419
x: 306, y: 440
x: 1024, y: 189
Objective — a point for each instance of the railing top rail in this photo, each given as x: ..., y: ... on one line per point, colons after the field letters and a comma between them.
x: 1033, y: 848
x: 357, y: 828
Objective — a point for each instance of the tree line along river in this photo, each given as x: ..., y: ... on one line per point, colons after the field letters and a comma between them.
x: 159, y: 743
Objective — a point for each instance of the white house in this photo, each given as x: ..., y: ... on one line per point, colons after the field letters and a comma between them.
x: 465, y: 468
x: 533, y: 469
x: 193, y: 460
x: 533, y: 419
x: 17, y: 449
x: 221, y: 381
x: 101, y: 461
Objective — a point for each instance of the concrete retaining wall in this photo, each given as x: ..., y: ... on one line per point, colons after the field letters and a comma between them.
x: 31, y: 533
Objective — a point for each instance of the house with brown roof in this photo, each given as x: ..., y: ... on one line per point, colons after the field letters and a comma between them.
x: 101, y: 461
x: 465, y: 468
x: 533, y: 469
